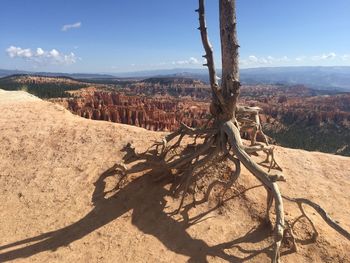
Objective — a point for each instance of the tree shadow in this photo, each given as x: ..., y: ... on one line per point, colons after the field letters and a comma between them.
x: 146, y: 200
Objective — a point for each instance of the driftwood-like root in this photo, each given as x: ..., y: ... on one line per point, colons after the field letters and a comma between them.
x: 224, y: 142
x: 289, y: 236
x: 235, y: 142
x: 227, y: 185
x: 269, y: 201
x: 249, y: 120
x: 268, y: 150
x: 331, y: 222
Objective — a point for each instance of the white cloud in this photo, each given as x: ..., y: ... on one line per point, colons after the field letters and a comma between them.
x: 259, y: 61
x: 345, y: 57
x: 71, y: 26
x: 285, y: 58
x: 40, y: 51
x: 321, y: 59
x: 13, y: 52
x: 190, y: 61
x: 193, y: 60
x: 54, y: 53
x: 252, y: 58
x: 328, y: 56
x: 41, y: 56
x: 300, y: 59
x: 70, y: 58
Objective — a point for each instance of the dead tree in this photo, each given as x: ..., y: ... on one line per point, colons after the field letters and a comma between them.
x: 220, y: 139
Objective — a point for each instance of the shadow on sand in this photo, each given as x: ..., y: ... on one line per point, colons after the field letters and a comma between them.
x: 146, y: 199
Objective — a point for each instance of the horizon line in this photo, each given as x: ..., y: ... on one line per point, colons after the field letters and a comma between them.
x: 167, y: 69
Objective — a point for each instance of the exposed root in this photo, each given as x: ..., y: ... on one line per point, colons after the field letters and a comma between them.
x: 227, y: 185
x: 249, y: 121
x: 190, y: 177
x: 217, y: 144
x: 270, y: 158
x: 289, y: 236
x: 331, y: 222
x: 268, y: 150
x: 269, y: 201
x: 222, y: 142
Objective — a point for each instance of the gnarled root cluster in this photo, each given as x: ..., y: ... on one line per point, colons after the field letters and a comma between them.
x: 249, y: 121
x: 216, y: 144
x: 219, y: 143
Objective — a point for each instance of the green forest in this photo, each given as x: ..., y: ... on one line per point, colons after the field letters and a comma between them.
x: 41, y: 90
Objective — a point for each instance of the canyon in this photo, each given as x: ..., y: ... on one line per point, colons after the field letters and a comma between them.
x: 291, y: 115
x: 155, y: 114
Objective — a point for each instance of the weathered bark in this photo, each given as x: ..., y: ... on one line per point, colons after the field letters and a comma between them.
x: 207, y: 46
x: 230, y: 88
x: 218, y: 102
x: 229, y: 55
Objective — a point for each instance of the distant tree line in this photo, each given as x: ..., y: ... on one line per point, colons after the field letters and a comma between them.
x: 41, y: 90
x: 330, y: 138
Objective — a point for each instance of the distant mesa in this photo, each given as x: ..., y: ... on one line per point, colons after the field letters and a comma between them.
x: 324, y: 78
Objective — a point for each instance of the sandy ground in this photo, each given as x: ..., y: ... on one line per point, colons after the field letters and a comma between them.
x: 54, y: 206
x: 8, y: 97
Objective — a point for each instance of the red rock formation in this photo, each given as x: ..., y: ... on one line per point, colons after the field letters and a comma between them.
x: 149, y: 105
x: 158, y: 114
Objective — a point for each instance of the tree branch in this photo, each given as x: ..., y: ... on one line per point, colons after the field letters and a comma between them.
x: 217, y: 96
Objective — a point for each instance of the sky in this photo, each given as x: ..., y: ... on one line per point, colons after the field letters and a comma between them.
x: 111, y: 36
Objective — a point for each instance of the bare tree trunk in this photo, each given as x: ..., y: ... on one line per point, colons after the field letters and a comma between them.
x: 229, y: 55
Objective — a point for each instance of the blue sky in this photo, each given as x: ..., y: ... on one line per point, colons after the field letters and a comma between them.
x: 130, y: 35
